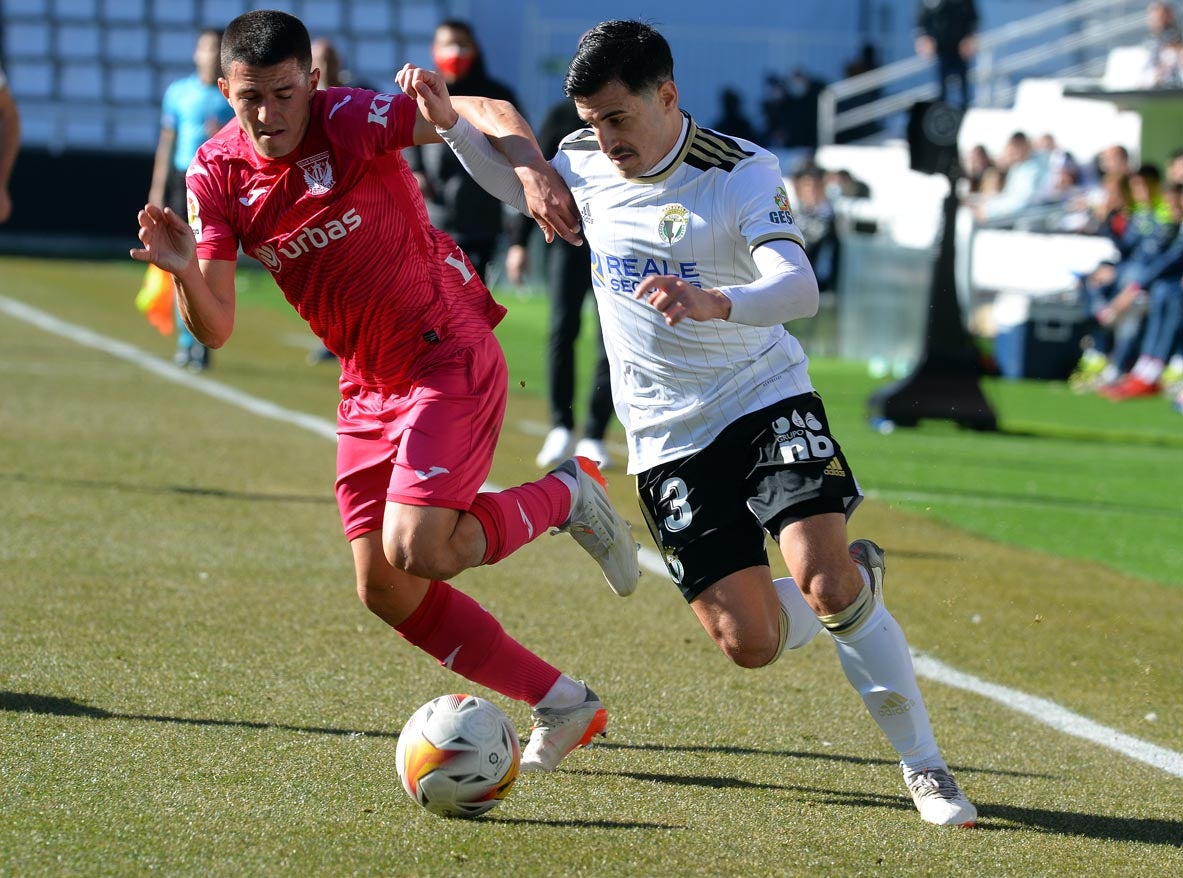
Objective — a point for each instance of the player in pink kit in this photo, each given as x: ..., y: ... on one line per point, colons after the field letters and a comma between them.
x: 311, y: 183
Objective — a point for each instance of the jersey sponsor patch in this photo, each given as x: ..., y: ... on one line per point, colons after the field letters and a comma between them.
x: 193, y: 209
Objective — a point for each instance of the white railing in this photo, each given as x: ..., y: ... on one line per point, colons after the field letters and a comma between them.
x: 1071, y: 40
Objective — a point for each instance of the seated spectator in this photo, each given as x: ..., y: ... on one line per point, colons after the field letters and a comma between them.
x: 1103, y: 209
x: 1026, y: 173
x: 983, y: 176
x: 1151, y: 228
x: 815, y: 218
x: 843, y: 184
x: 1174, y: 172
x: 1151, y: 302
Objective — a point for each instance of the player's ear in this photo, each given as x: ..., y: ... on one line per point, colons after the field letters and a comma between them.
x: 667, y: 94
x: 224, y: 87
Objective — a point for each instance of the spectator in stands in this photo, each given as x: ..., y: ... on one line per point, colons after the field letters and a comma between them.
x: 1174, y: 172
x: 1102, y: 209
x: 1162, y: 28
x: 1151, y: 302
x: 843, y: 184
x: 865, y: 61
x: 1167, y: 65
x: 568, y: 285
x: 983, y: 175
x: 10, y: 141
x: 774, y: 110
x: 1150, y: 229
x: 947, y: 29
x: 456, y: 204
x: 192, y: 111
x: 1026, y: 175
x: 802, y: 92
x: 732, y: 120
x: 814, y: 215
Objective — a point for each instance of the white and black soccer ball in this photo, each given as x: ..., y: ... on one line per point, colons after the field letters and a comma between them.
x: 458, y: 756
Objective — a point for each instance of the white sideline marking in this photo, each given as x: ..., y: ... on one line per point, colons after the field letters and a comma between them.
x: 166, y: 370
x: 1040, y: 709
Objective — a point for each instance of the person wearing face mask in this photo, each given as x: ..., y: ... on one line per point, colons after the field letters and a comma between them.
x: 455, y: 202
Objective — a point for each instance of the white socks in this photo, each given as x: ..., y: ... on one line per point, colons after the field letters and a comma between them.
x: 798, y: 623
x: 877, y: 663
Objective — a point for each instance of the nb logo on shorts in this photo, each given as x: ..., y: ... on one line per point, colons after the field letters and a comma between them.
x: 801, y: 438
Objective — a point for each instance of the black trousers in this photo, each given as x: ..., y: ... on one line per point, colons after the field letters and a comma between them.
x: 568, y: 284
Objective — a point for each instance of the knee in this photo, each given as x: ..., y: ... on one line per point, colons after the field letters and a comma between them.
x: 750, y: 649
x: 420, y: 558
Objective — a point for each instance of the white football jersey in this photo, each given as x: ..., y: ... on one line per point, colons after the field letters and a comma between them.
x: 699, y: 216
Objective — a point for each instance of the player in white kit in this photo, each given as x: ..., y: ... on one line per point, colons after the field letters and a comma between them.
x: 696, y: 266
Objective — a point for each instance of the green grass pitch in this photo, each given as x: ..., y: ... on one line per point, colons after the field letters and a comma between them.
x: 190, y: 687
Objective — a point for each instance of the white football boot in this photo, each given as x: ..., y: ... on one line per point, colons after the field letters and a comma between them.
x: 938, y: 798
x: 598, y: 528
x: 559, y: 730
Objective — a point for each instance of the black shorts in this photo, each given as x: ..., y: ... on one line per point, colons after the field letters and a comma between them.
x: 709, y: 512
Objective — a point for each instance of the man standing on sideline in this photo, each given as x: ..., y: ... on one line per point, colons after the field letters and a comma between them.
x: 10, y: 144
x: 947, y: 30
x: 192, y: 111
x: 313, y: 184
x: 568, y: 281
x: 697, y: 265
x: 456, y: 205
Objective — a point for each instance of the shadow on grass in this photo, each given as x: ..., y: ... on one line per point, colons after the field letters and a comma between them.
x: 584, y: 824
x: 48, y: 705
x: 183, y: 490
x: 991, y: 818
x: 732, y: 750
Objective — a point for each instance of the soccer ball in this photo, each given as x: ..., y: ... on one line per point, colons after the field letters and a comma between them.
x: 458, y: 756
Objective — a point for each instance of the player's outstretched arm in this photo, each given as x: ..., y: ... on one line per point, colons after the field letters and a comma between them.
x: 506, y: 160
x: 205, y: 288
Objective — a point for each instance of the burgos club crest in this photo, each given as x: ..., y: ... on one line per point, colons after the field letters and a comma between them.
x: 675, y: 219
x: 318, y: 173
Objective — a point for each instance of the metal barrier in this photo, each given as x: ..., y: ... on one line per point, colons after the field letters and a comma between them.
x: 1073, y: 40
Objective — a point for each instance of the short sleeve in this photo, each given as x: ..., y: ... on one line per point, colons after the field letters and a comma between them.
x: 168, y: 108
x: 206, y: 214
x: 756, y: 192
x: 369, y: 123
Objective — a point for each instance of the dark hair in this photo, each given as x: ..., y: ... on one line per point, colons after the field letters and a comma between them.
x: 266, y: 37
x: 1149, y: 172
x: 630, y: 52
x: 461, y: 25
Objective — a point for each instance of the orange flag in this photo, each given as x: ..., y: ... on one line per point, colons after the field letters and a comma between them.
x: 155, y: 299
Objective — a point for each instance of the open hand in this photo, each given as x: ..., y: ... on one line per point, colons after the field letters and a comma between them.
x: 168, y: 241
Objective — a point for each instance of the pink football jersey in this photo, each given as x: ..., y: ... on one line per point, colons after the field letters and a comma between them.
x: 342, y: 227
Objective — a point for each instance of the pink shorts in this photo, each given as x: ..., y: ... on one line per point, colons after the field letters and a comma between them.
x: 428, y: 444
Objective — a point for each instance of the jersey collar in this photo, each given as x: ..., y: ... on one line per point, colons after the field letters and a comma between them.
x: 672, y: 159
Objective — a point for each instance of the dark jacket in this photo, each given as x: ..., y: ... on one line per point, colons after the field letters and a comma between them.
x: 456, y: 203
x: 948, y: 22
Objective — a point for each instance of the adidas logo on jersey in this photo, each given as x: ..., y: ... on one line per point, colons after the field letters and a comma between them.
x: 834, y: 468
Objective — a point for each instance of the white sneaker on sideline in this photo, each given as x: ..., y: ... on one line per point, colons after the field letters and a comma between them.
x: 599, y: 529
x: 938, y: 798
x: 555, y: 448
x: 559, y: 730
x: 593, y: 449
